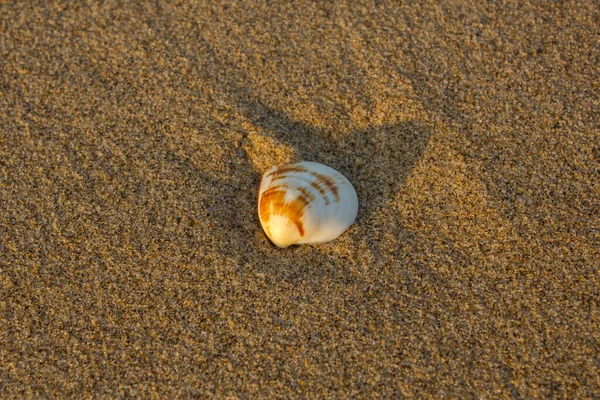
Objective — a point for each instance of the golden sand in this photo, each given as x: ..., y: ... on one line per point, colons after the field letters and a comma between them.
x: 132, y: 139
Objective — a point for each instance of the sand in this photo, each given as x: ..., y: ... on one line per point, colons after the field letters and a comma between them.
x: 132, y: 139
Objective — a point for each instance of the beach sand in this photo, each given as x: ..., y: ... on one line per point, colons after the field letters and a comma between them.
x: 132, y: 141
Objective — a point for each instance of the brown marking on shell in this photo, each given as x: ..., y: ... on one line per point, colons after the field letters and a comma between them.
x: 319, y: 182
x: 330, y: 183
x: 286, y: 169
x: 320, y: 189
x: 306, y: 193
x: 272, y: 202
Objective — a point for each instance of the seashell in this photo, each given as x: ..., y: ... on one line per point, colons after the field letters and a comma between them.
x: 304, y: 203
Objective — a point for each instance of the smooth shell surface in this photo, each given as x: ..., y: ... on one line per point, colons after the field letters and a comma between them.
x: 304, y: 203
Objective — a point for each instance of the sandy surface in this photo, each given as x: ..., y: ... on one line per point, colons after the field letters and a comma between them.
x: 132, y: 139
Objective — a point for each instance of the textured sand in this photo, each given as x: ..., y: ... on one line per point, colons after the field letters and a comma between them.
x: 132, y: 138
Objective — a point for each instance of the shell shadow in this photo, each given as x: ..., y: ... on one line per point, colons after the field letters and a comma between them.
x: 377, y: 161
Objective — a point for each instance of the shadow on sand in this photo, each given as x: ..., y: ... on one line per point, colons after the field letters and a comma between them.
x: 377, y: 161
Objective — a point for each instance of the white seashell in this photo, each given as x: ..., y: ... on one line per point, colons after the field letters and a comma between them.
x: 305, y: 202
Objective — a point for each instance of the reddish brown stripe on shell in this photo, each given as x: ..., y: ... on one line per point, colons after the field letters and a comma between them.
x: 330, y: 184
x: 283, y: 170
x: 318, y: 183
x: 306, y: 193
x: 272, y: 202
